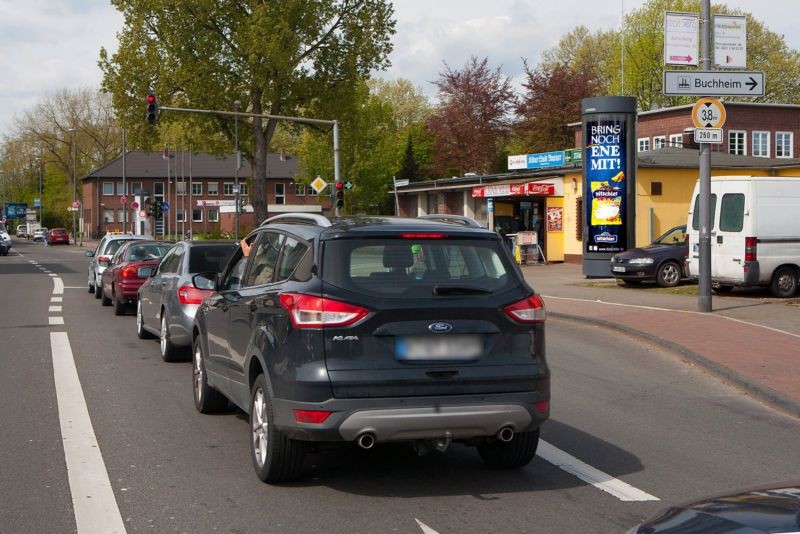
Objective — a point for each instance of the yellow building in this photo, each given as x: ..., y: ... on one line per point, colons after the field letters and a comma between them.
x: 550, y: 201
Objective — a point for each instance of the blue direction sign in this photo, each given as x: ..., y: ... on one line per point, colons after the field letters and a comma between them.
x: 164, y: 207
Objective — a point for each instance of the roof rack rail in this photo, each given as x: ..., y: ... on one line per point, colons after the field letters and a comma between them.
x: 308, y: 218
x: 456, y: 219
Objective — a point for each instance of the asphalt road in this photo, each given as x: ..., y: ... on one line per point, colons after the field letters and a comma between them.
x: 643, y: 419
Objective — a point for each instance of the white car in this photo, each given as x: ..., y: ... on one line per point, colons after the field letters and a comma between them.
x: 40, y: 234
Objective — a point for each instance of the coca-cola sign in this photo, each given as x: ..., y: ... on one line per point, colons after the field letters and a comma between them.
x: 515, y: 190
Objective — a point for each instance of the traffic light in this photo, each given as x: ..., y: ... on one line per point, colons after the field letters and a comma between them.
x: 152, y: 108
x: 159, y: 209
x: 339, y: 194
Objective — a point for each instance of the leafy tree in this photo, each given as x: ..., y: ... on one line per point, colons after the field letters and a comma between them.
x: 409, y: 170
x: 410, y: 105
x: 291, y: 58
x: 472, y: 119
x: 552, y: 101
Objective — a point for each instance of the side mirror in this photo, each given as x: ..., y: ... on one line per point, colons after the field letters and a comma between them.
x: 206, y: 281
x: 89, y: 254
x: 145, y: 272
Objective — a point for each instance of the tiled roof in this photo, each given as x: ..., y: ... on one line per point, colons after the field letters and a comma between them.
x: 139, y: 164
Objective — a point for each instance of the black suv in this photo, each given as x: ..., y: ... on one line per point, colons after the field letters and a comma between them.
x: 372, y: 330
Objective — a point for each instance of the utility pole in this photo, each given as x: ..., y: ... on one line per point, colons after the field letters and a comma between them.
x: 704, y: 282
x: 124, y: 189
x: 236, y: 105
x: 74, y: 182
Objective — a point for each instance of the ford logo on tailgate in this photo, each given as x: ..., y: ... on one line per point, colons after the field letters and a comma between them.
x: 440, y: 328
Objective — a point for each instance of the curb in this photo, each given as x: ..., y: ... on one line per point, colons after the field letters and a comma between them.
x: 756, y: 390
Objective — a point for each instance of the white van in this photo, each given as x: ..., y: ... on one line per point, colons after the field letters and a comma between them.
x: 755, y: 233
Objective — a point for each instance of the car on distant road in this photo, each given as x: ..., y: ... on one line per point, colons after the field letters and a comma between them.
x: 662, y: 262
x: 40, y: 234
x: 58, y: 235
x: 373, y: 330
x: 121, y: 281
x: 168, y: 301
x: 22, y: 231
x: 101, y: 257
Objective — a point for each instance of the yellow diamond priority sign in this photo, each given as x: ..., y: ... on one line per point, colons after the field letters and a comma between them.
x: 319, y: 184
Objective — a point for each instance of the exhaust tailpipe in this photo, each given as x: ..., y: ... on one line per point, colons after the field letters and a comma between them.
x: 366, y: 440
x: 505, y: 434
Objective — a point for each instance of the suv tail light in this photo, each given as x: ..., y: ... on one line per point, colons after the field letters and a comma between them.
x: 307, y: 311
x: 104, y: 260
x: 192, y: 295
x: 425, y: 235
x: 750, y: 249
x: 131, y: 271
x: 528, y: 310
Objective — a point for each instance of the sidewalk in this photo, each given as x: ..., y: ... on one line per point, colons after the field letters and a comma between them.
x: 749, y: 340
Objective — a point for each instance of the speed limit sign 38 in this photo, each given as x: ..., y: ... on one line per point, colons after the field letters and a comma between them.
x: 708, y: 113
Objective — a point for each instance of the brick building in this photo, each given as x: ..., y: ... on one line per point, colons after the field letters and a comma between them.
x: 199, y: 189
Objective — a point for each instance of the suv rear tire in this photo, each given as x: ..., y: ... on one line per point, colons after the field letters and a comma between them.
x: 276, y: 457
x: 514, y: 454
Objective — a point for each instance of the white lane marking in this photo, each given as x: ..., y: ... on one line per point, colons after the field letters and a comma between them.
x: 56, y: 320
x: 93, y: 499
x: 75, y: 287
x: 425, y: 528
x: 58, y: 286
x: 677, y: 311
x: 53, y: 274
x: 54, y: 309
x: 56, y: 299
x: 619, y: 489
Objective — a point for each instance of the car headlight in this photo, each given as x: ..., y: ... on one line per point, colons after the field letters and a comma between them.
x: 641, y: 261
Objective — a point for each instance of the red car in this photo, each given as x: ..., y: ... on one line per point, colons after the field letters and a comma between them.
x: 121, y: 280
x: 58, y: 235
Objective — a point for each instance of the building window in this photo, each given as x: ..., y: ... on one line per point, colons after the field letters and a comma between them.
x: 136, y: 188
x: 644, y: 144
x: 737, y: 143
x: 213, y: 189
x: 299, y: 190
x: 108, y: 189
x: 179, y: 215
x: 197, y: 215
x: 180, y: 188
x: 213, y: 215
x: 676, y: 140
x: 659, y: 142
x: 242, y: 188
x: 280, y: 193
x: 227, y: 189
x: 783, y: 144
x: 108, y: 216
x: 579, y: 219
x: 120, y: 188
x: 310, y: 191
x: 655, y: 189
x: 197, y: 189
x: 158, y: 189
x: 121, y: 216
x: 761, y: 144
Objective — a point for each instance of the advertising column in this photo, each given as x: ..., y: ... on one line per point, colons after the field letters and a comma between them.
x: 609, y: 180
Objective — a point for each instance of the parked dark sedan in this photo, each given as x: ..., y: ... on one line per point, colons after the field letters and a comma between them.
x: 120, y: 282
x: 772, y: 508
x: 663, y: 261
x: 168, y: 300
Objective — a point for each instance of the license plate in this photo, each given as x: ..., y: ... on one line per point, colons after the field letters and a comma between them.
x: 446, y: 347
x: 618, y: 269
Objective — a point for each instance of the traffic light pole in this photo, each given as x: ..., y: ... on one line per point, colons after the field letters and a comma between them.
x: 302, y: 120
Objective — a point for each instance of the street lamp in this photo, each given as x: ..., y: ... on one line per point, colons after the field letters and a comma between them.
x: 236, y: 105
x: 74, y: 182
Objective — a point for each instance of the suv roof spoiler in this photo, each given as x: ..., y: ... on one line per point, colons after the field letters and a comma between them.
x: 455, y: 219
x: 308, y: 218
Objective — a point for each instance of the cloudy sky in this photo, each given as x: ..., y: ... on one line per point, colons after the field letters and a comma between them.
x: 47, y: 45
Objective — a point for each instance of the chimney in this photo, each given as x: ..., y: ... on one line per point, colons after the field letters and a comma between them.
x: 283, y: 154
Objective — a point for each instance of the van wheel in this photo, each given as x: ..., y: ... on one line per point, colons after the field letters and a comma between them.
x: 784, y: 282
x: 721, y: 289
x: 669, y: 274
x: 516, y: 453
x: 276, y: 457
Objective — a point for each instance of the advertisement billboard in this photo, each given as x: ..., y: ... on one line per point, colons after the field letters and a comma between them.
x: 15, y: 211
x: 606, y: 202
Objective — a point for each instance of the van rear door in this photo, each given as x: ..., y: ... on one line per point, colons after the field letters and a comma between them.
x: 693, y: 229
x: 728, y: 237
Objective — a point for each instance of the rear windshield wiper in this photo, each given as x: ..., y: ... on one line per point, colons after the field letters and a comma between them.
x: 459, y: 290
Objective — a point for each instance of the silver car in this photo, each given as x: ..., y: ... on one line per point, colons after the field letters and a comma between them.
x: 168, y: 300
x: 101, y: 258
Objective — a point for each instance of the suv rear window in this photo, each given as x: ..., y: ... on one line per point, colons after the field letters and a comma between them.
x: 387, y: 267
x: 204, y: 258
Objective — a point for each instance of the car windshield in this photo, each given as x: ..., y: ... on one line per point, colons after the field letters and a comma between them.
x: 207, y: 258
x: 147, y: 251
x: 401, y: 268
x: 676, y: 236
x: 113, y: 246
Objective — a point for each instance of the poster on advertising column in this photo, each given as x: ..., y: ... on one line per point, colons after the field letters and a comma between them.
x: 606, y: 200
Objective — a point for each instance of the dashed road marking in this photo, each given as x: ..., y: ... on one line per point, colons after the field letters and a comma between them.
x: 56, y: 320
x: 425, y: 528
x: 93, y: 500
x: 54, y: 309
x: 619, y: 489
x: 56, y: 299
x: 58, y: 286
